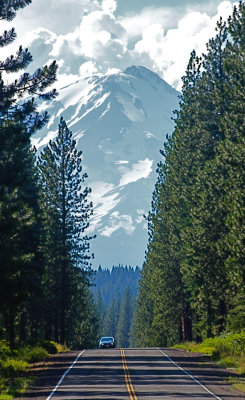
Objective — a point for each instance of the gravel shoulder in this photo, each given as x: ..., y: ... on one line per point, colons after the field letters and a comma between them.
x: 48, y: 373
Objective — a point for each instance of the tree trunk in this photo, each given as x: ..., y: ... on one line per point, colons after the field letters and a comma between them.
x: 22, y: 326
x: 209, y: 319
x: 222, y: 313
x: 10, y: 327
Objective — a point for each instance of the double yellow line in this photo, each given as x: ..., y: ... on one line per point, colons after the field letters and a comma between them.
x: 128, y: 381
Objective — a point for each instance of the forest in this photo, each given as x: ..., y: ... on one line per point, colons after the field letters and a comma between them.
x: 115, y: 293
x: 192, y: 285
x: 113, y: 282
x: 45, y: 263
x: 193, y: 278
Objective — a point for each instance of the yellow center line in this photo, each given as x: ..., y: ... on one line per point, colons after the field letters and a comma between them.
x: 128, y: 381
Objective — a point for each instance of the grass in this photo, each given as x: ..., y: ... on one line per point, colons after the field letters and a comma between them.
x: 228, y: 351
x: 14, y: 366
x: 16, y: 387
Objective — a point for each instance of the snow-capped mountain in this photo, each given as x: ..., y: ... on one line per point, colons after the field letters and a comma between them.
x: 120, y: 123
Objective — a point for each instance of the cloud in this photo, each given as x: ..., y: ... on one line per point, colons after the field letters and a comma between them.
x: 109, y: 6
x: 134, y: 24
x: 87, y: 69
x: 169, y: 51
x: 139, y: 170
x: 99, y: 41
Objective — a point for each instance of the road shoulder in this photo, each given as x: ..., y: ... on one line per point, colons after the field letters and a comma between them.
x: 207, y: 372
x: 47, y: 374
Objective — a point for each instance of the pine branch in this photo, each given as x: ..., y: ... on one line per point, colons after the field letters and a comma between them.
x: 7, y: 37
x: 8, y: 8
x: 15, y: 64
x: 38, y: 82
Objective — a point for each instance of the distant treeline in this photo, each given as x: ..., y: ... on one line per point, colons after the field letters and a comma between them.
x: 115, y: 294
x: 112, y: 282
x: 193, y: 279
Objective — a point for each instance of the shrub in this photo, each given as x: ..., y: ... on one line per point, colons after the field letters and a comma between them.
x: 5, y: 351
x: 50, y: 346
x: 33, y: 354
x: 13, y: 367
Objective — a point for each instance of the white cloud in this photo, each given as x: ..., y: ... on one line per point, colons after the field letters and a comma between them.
x: 135, y: 24
x: 169, y: 52
x: 109, y: 6
x: 118, y: 221
x: 103, y: 42
x: 88, y: 69
x: 139, y: 170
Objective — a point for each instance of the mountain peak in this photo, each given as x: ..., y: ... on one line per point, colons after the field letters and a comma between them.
x: 146, y: 74
x: 120, y: 122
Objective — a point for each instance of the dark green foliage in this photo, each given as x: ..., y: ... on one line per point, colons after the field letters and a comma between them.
x: 125, y: 318
x: 101, y: 308
x: 116, y: 318
x: 11, y: 94
x: 20, y: 265
x: 193, y: 277
x: 65, y: 213
x: 18, y: 223
x: 50, y: 346
x: 110, y: 323
x: 44, y: 255
x: 112, y: 282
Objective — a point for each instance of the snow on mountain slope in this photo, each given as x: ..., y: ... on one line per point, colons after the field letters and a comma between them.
x: 120, y: 123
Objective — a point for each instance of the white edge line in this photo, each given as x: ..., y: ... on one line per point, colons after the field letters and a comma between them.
x: 64, y: 375
x: 192, y: 377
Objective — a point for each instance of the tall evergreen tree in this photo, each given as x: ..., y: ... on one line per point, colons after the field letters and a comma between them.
x: 101, y: 312
x: 125, y: 318
x: 18, y: 223
x: 18, y: 205
x: 35, y: 84
x: 195, y: 257
x: 66, y: 211
x: 112, y: 317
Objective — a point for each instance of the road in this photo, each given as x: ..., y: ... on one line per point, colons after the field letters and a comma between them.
x: 138, y: 374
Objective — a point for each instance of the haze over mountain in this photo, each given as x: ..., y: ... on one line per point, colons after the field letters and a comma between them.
x: 120, y: 123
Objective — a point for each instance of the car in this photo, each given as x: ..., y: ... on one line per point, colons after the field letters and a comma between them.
x: 106, y: 342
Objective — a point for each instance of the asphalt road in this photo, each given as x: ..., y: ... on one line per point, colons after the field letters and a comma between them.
x: 136, y: 374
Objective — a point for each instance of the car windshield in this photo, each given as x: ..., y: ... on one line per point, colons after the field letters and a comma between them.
x: 107, y: 339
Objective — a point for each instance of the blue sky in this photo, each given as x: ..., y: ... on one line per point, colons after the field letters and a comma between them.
x: 103, y: 36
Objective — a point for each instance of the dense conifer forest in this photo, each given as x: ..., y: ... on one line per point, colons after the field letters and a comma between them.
x: 193, y: 278
x: 115, y: 292
x: 44, y: 213
x: 114, y: 282
x: 192, y: 284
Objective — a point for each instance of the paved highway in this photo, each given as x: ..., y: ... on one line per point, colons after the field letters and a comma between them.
x: 136, y: 374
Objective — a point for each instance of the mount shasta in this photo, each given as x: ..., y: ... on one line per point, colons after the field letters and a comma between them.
x: 120, y: 123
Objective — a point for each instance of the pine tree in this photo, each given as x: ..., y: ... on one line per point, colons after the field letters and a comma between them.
x: 195, y: 257
x: 125, y: 318
x: 66, y: 211
x: 112, y: 317
x: 19, y: 237
x: 101, y: 312
x: 19, y: 229
x: 36, y: 84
